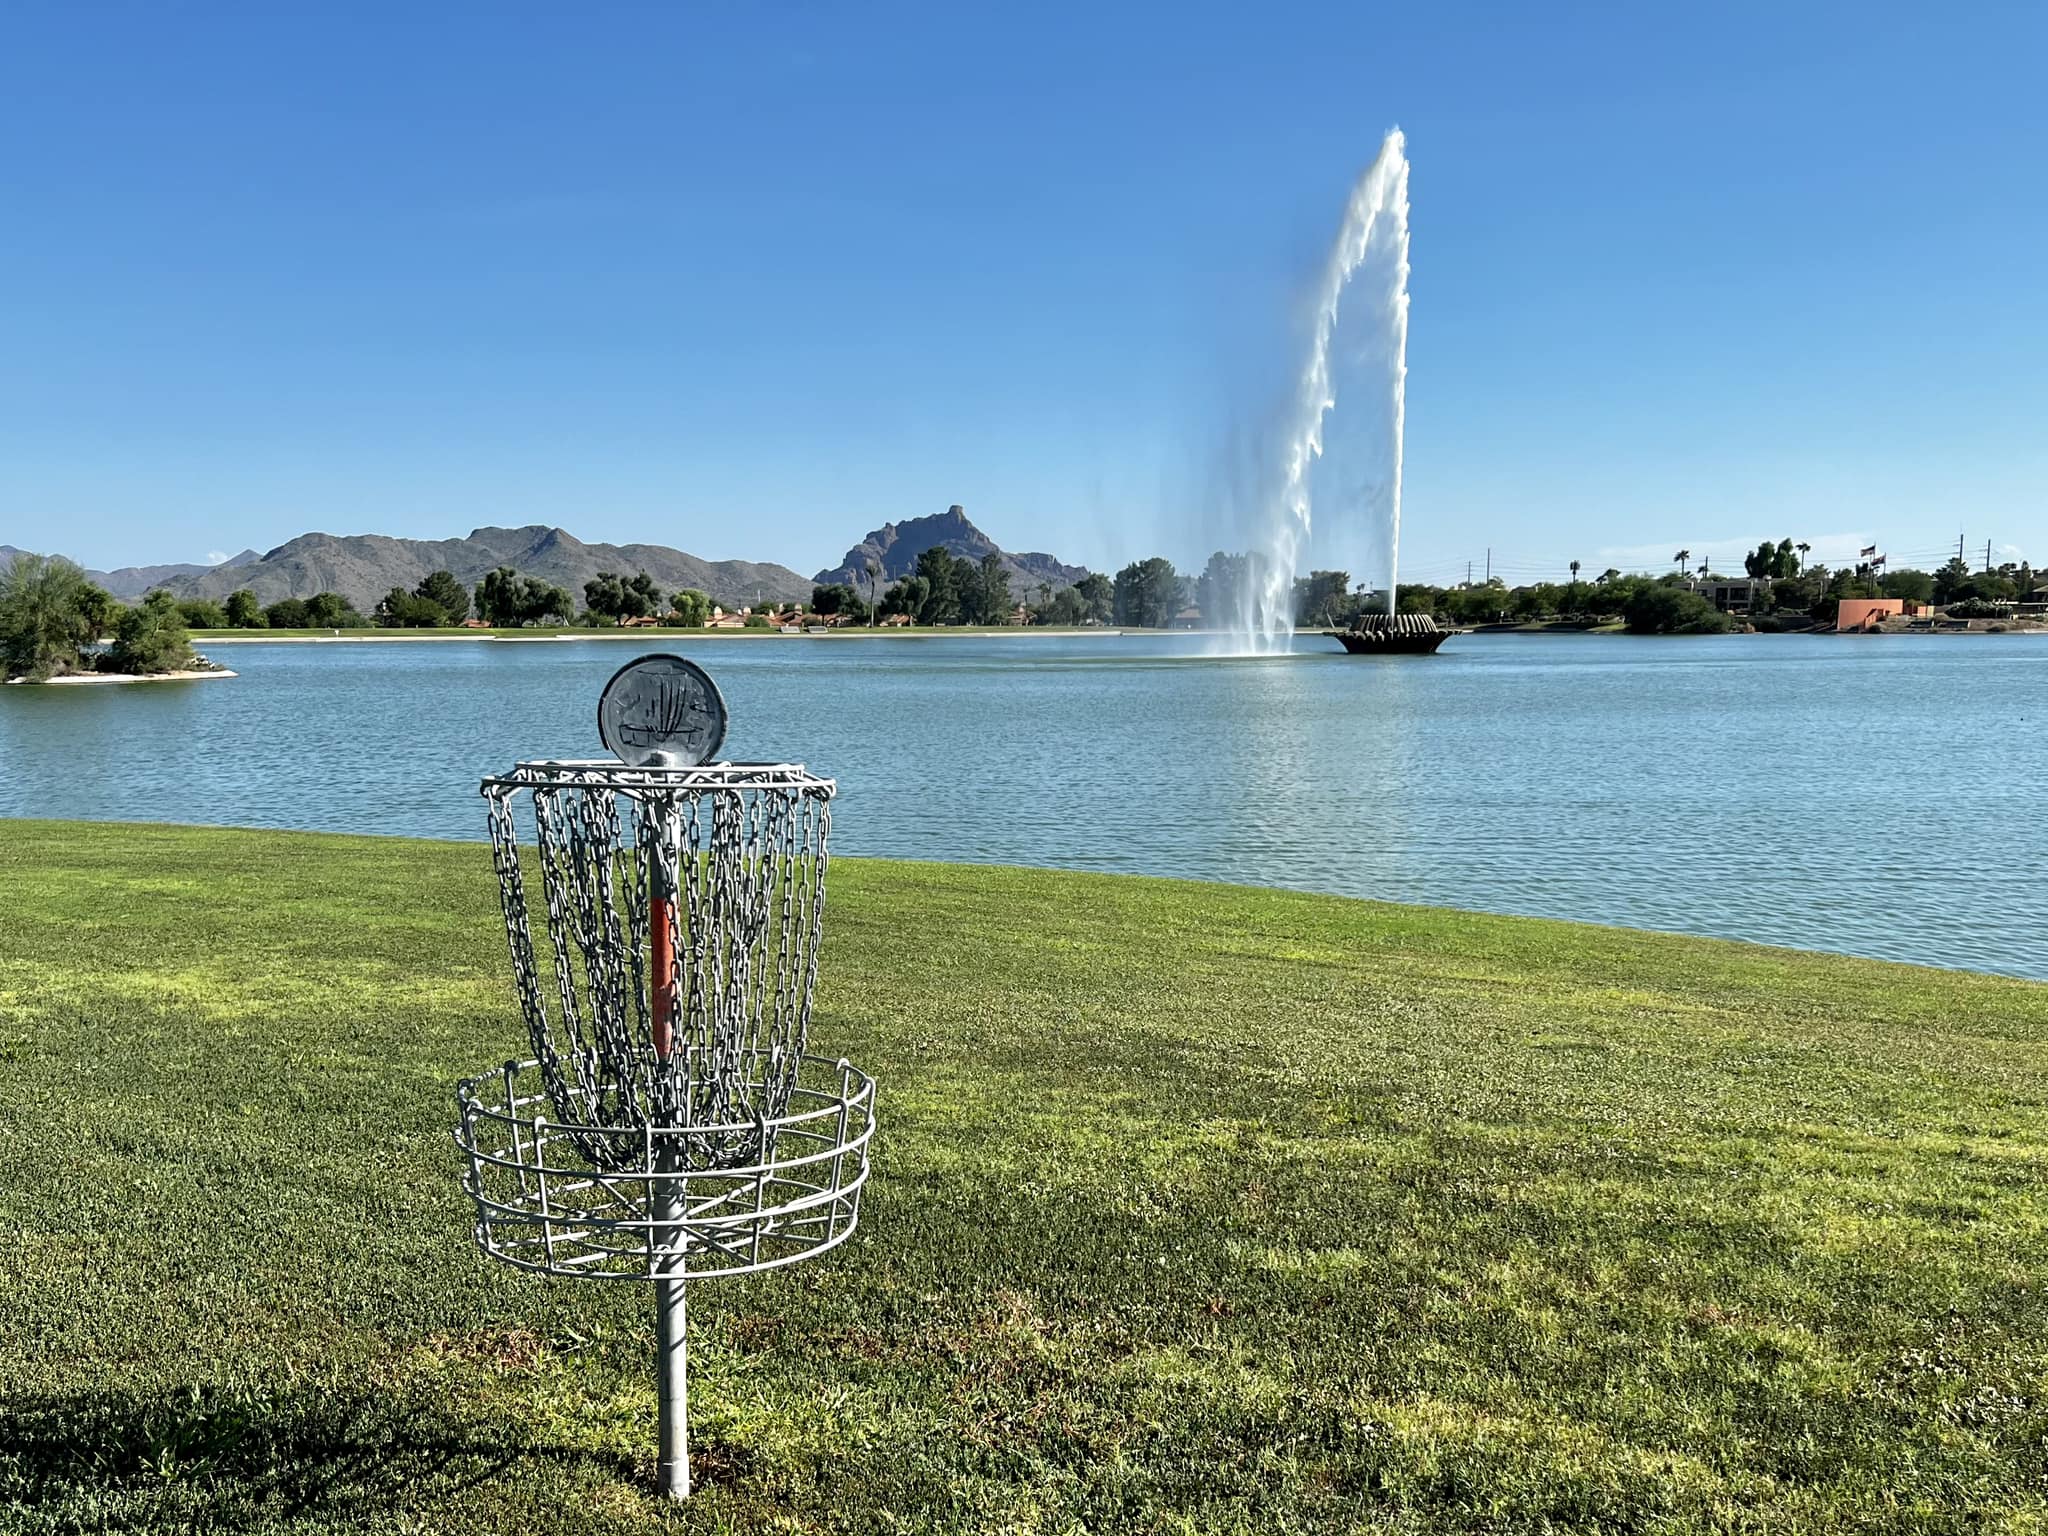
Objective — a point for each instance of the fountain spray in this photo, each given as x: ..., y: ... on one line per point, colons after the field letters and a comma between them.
x: 1378, y: 208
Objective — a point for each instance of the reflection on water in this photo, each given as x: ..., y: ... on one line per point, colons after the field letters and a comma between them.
x: 1866, y: 796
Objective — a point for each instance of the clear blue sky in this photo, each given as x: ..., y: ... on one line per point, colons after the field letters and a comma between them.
x: 752, y: 279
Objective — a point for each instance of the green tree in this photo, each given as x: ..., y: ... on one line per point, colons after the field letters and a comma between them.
x: 1146, y: 593
x: 1952, y: 581
x: 1672, y: 610
x: 330, y: 610
x: 497, y: 598
x: 1321, y: 597
x: 907, y: 596
x: 1064, y: 607
x: 447, y: 594
x: 1223, y: 590
x: 243, y: 613
x: 46, y: 616
x: 1913, y: 586
x: 941, y: 574
x: 400, y: 609
x: 1098, y: 598
x: 838, y: 598
x: 286, y: 613
x: 691, y: 609
x: 202, y: 613
x: 151, y: 637
x: 618, y: 597
x: 985, y: 591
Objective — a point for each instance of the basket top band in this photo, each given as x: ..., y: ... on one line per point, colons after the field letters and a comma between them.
x: 608, y: 773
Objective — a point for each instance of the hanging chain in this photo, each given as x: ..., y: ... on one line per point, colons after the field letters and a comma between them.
x: 740, y: 857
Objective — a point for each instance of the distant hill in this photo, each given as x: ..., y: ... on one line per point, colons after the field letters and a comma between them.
x: 896, y: 547
x: 131, y: 581
x: 363, y: 567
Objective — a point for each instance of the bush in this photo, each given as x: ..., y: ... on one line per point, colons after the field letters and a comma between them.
x: 757, y: 621
x: 151, y: 638
x: 692, y: 609
x: 1662, y: 610
x: 202, y: 613
x: 1976, y: 608
x: 401, y: 609
x: 49, y: 613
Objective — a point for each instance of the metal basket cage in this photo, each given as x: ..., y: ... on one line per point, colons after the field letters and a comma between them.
x: 730, y: 860
x: 542, y: 1206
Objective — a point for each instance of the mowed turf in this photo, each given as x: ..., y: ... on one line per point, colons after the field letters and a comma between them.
x: 1194, y: 1208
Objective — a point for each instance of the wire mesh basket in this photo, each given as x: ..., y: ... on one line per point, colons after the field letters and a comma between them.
x: 680, y: 911
x: 543, y: 1206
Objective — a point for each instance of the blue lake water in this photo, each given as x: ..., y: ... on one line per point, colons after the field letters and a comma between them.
x: 1876, y: 796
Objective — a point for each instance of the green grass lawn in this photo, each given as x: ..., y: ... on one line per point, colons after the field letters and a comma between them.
x: 1194, y: 1209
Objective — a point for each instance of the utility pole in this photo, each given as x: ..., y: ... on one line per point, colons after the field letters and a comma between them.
x: 1987, y: 557
x: 1468, y: 573
x: 1489, y: 565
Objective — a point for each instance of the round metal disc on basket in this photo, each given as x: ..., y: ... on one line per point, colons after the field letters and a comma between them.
x: 661, y: 711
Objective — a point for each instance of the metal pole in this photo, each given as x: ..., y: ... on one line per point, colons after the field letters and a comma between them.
x: 672, y: 1380
x: 671, y: 1309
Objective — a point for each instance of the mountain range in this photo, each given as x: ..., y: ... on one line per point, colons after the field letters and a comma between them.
x: 894, y: 547
x: 131, y: 581
x: 363, y: 567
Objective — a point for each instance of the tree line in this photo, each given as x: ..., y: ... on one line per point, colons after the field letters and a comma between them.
x: 55, y: 622
x: 504, y: 599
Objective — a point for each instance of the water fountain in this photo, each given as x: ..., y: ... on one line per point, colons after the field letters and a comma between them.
x: 1376, y: 212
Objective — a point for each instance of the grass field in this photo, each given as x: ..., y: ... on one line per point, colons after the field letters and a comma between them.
x: 1195, y: 1209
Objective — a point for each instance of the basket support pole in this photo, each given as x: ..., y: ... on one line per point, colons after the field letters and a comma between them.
x: 671, y: 1308
x: 672, y: 1388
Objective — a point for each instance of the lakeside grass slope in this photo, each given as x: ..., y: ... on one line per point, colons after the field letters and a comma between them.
x: 1195, y: 1208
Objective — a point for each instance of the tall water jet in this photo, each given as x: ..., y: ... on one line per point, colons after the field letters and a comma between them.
x: 1377, y: 210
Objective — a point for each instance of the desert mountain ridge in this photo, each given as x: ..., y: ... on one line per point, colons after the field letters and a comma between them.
x: 894, y: 548
x: 363, y: 567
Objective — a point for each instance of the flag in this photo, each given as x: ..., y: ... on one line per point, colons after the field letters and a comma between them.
x: 1864, y: 554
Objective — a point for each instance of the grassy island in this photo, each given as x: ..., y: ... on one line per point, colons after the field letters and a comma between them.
x: 1195, y: 1208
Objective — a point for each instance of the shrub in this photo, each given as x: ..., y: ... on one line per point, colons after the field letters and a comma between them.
x: 49, y: 613
x: 151, y: 638
x: 1662, y: 610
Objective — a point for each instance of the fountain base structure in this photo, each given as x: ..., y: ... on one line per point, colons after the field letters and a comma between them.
x: 1392, y: 634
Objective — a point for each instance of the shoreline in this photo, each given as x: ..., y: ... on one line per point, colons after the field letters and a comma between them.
x: 401, y: 637
x: 93, y: 679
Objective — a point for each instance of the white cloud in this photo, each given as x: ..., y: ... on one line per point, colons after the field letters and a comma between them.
x: 216, y: 556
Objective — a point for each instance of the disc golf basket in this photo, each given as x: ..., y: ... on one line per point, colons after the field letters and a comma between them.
x: 670, y: 1124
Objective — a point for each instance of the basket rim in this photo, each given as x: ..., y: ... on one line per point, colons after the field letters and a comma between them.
x: 857, y: 1091
x: 610, y: 773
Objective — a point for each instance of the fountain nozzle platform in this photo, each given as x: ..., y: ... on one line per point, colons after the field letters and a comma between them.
x: 1392, y: 634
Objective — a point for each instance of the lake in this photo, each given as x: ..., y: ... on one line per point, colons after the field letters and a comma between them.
x: 1879, y: 797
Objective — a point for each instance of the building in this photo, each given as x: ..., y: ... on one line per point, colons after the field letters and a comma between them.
x: 1732, y: 594
x: 1862, y: 615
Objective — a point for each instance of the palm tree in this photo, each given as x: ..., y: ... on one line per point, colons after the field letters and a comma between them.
x: 1681, y: 557
x: 1575, y: 571
x: 1803, y: 548
x: 874, y: 591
